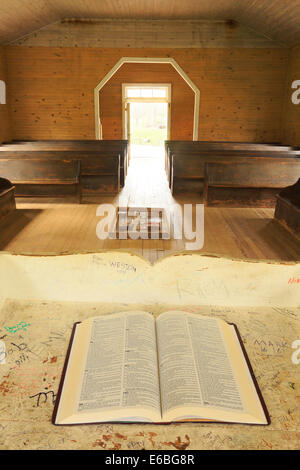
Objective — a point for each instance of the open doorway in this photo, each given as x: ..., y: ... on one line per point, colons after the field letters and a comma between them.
x: 146, y: 118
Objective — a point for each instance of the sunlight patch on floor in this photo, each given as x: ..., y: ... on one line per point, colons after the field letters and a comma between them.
x: 146, y: 151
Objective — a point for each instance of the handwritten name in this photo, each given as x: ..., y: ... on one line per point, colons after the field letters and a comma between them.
x: 118, y: 265
x: 122, y: 266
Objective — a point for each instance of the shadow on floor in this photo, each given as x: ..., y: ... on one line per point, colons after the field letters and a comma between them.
x: 12, y: 225
x: 276, y: 236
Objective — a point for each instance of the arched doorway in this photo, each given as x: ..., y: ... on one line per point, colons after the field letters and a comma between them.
x: 165, y: 60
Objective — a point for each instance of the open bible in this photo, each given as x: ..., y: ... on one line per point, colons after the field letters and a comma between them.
x: 131, y: 367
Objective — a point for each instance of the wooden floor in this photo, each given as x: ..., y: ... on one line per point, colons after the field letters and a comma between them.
x: 58, y: 227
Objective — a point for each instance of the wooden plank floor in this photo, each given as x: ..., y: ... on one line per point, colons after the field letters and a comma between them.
x: 64, y: 227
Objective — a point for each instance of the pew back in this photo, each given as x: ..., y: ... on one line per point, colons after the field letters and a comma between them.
x: 248, y: 183
x: 69, y: 149
x: 185, y: 167
x: 101, y: 173
x: 43, y: 177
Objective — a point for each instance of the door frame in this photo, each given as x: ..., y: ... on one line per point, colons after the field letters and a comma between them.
x: 126, y: 101
x: 153, y: 60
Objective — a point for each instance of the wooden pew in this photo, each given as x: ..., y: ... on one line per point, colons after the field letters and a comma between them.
x: 186, y: 148
x: 103, y: 147
x: 188, y: 171
x: 287, y: 211
x: 100, y: 173
x: 81, y: 149
x: 43, y: 178
x: 7, y: 198
x: 247, y: 183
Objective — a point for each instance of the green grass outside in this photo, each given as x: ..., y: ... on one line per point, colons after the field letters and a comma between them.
x: 148, y: 136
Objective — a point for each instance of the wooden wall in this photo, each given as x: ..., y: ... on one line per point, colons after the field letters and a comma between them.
x: 292, y: 111
x: 52, y: 91
x: 5, y: 126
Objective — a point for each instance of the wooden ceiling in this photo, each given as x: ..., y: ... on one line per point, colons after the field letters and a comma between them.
x: 276, y: 19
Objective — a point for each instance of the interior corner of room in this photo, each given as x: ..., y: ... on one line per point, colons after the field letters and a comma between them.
x: 212, y: 99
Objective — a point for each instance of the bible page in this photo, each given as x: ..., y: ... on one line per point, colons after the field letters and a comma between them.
x: 203, y: 373
x: 112, y: 373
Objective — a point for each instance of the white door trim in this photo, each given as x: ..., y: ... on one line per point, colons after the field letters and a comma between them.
x: 134, y: 60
